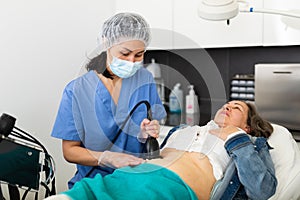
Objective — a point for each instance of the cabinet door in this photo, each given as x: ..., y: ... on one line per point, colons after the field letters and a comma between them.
x: 159, y: 16
x: 275, y: 32
x: 191, y: 31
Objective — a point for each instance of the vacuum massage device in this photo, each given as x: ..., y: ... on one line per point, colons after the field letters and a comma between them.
x: 151, y: 149
x: 25, y: 162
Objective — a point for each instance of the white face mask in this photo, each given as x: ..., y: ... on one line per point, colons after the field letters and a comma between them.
x: 124, y: 68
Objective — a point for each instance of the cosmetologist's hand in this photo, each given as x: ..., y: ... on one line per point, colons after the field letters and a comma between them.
x: 150, y: 128
x: 118, y: 160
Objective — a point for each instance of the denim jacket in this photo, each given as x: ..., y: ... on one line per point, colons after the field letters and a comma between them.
x: 250, y: 174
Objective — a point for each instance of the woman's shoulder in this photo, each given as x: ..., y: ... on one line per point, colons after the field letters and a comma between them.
x: 87, y: 77
x: 83, y: 85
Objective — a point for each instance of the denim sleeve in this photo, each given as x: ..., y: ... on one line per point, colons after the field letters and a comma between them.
x: 254, y: 165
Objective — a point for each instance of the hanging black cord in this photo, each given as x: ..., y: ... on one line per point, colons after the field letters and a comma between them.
x: 47, y: 193
x: 18, y: 135
x: 32, y: 138
x: 28, y: 137
x: 7, y: 123
x: 149, y: 116
x: 14, y: 193
x: 25, y: 193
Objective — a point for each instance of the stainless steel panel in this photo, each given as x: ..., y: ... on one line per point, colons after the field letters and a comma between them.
x: 277, y: 93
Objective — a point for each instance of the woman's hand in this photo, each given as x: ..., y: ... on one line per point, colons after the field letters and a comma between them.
x: 75, y: 153
x: 118, y: 160
x: 224, y: 132
x: 151, y: 128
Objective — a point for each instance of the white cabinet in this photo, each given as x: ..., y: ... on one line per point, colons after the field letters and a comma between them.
x: 191, y: 31
x: 275, y: 32
x: 158, y: 14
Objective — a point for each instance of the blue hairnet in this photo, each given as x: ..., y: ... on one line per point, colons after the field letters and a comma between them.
x: 124, y: 27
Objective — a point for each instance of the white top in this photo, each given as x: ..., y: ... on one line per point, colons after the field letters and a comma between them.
x: 198, y: 139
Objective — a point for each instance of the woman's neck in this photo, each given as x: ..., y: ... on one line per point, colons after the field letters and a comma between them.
x: 113, y: 86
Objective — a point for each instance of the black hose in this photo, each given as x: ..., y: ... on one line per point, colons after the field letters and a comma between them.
x: 149, y: 116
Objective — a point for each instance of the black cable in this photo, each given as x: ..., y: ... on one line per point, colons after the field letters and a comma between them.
x: 53, y: 189
x: 36, y: 141
x: 36, y: 196
x: 18, y: 135
x: 13, y: 191
x: 6, y: 128
x: 149, y: 116
x: 25, y: 193
x: 50, y: 174
x: 47, y: 189
x: 128, y: 117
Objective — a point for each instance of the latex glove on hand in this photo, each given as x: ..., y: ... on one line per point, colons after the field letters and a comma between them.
x: 224, y: 132
x: 118, y: 160
x: 149, y: 128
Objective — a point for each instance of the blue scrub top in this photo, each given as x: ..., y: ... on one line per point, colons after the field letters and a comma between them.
x: 88, y: 114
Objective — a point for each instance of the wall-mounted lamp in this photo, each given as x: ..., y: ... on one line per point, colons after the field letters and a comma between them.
x: 217, y: 10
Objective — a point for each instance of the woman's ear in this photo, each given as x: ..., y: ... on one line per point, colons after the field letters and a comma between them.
x: 248, y: 129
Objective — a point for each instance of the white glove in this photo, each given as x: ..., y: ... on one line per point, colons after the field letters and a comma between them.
x: 118, y: 160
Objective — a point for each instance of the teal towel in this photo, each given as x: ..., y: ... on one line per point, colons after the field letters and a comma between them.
x: 145, y: 181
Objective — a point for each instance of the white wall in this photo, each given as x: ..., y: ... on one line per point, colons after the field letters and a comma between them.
x: 43, y: 44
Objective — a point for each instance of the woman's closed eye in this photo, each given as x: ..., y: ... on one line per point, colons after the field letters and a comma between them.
x: 237, y: 108
x: 125, y: 53
x: 138, y: 55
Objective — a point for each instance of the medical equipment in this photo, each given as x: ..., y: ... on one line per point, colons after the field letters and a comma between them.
x: 25, y: 162
x: 151, y: 149
x: 228, y: 9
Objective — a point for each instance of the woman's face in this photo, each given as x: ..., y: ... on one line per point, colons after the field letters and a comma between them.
x: 233, y: 113
x: 132, y: 50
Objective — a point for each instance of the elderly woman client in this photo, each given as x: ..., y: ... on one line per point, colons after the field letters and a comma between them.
x: 194, y: 162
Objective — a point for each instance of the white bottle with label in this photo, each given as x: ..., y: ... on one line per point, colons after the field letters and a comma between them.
x: 191, y: 105
x: 176, y: 99
x: 155, y: 70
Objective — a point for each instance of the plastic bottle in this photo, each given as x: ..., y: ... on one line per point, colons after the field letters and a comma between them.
x: 191, y: 105
x: 176, y: 99
x: 154, y: 68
